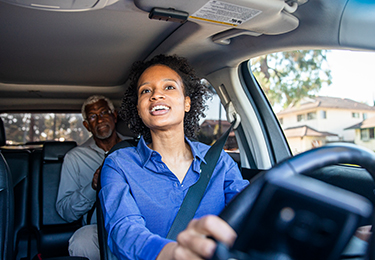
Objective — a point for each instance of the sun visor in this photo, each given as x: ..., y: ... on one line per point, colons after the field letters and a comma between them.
x: 356, y: 24
x: 252, y: 17
x: 62, y: 5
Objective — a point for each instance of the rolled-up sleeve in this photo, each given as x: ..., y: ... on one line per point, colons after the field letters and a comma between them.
x: 233, y: 183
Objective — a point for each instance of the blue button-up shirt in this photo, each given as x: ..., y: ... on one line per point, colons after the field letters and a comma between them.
x: 140, y: 196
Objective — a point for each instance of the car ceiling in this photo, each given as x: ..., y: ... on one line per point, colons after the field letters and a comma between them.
x: 53, y: 60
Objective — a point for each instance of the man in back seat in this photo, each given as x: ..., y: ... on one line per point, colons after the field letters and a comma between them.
x: 79, y: 175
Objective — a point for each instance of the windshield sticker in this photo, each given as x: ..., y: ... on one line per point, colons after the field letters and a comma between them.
x: 224, y: 13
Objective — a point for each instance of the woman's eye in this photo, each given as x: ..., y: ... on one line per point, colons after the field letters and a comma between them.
x: 169, y: 87
x: 145, y: 91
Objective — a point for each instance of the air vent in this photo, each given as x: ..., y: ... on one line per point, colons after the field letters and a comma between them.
x: 62, y: 5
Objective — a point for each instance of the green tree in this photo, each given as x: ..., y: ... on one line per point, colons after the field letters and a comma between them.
x: 287, y: 77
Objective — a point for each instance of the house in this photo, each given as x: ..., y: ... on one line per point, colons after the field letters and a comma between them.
x: 211, y: 130
x: 303, y: 138
x: 324, y: 119
x: 364, y: 133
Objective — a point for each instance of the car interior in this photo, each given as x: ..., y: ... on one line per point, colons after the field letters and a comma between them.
x: 55, y: 54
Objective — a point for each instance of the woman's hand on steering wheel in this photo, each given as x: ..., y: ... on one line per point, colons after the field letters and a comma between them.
x: 197, y: 240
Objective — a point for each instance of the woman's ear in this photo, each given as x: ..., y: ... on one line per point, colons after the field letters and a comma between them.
x: 187, y: 103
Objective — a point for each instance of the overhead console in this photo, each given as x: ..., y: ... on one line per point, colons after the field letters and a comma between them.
x: 241, y: 17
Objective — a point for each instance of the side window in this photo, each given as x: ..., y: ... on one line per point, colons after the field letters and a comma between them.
x: 311, y: 115
x: 323, y: 114
x: 215, y: 123
x: 32, y: 127
x: 300, y: 117
x: 365, y: 135
x: 355, y: 115
x: 312, y: 95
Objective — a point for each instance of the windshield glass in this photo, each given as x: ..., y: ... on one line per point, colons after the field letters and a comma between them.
x: 320, y: 96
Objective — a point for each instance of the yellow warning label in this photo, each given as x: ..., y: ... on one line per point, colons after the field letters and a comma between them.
x: 212, y: 21
x: 225, y: 13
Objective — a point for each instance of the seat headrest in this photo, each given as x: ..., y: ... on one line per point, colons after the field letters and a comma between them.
x: 55, y: 151
x: 123, y: 128
x: 2, y: 133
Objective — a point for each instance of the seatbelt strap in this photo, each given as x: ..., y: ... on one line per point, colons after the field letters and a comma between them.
x: 90, y: 213
x: 195, y: 193
x: 123, y: 144
x: 105, y: 252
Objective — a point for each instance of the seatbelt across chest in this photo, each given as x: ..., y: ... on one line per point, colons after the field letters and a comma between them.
x: 195, y: 193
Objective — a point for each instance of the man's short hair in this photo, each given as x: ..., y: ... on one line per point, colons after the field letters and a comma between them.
x: 93, y: 99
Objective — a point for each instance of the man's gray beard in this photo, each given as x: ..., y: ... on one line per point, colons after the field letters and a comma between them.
x: 102, y: 137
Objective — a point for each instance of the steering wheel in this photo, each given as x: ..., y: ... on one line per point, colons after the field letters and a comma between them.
x: 283, y: 214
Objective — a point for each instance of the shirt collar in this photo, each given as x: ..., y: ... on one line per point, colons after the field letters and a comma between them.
x: 92, y: 144
x: 88, y: 142
x: 196, y: 153
x: 145, y: 152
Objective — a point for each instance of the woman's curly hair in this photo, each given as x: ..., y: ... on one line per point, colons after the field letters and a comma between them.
x: 193, y: 88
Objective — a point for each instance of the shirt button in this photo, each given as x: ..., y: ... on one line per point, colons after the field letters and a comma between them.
x: 176, y: 184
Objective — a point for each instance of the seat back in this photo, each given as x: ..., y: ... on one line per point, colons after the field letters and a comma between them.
x: 17, y: 159
x: 122, y: 127
x: 53, y: 157
x: 2, y: 133
x: 18, y: 162
x: 53, y: 232
x: 6, y: 211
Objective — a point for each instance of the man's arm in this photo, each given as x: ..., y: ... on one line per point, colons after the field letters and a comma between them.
x: 94, y: 183
x: 233, y: 181
x: 73, y: 200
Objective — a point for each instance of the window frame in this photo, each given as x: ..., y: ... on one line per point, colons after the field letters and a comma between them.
x: 311, y: 116
x: 300, y: 117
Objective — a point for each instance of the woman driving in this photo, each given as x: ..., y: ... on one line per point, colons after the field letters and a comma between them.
x: 143, y: 187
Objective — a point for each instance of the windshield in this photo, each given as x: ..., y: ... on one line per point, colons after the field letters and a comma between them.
x: 320, y: 96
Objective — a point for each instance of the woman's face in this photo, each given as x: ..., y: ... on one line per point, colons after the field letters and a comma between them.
x: 161, y: 100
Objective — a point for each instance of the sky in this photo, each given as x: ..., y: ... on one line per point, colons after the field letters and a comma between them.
x: 353, y: 77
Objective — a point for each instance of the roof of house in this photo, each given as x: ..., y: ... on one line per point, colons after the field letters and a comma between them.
x: 300, y: 131
x: 368, y: 123
x: 326, y: 102
x: 213, y: 123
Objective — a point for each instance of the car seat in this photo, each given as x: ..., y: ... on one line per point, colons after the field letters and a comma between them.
x: 6, y: 211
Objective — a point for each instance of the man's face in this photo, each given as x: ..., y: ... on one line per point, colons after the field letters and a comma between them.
x: 100, y: 120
